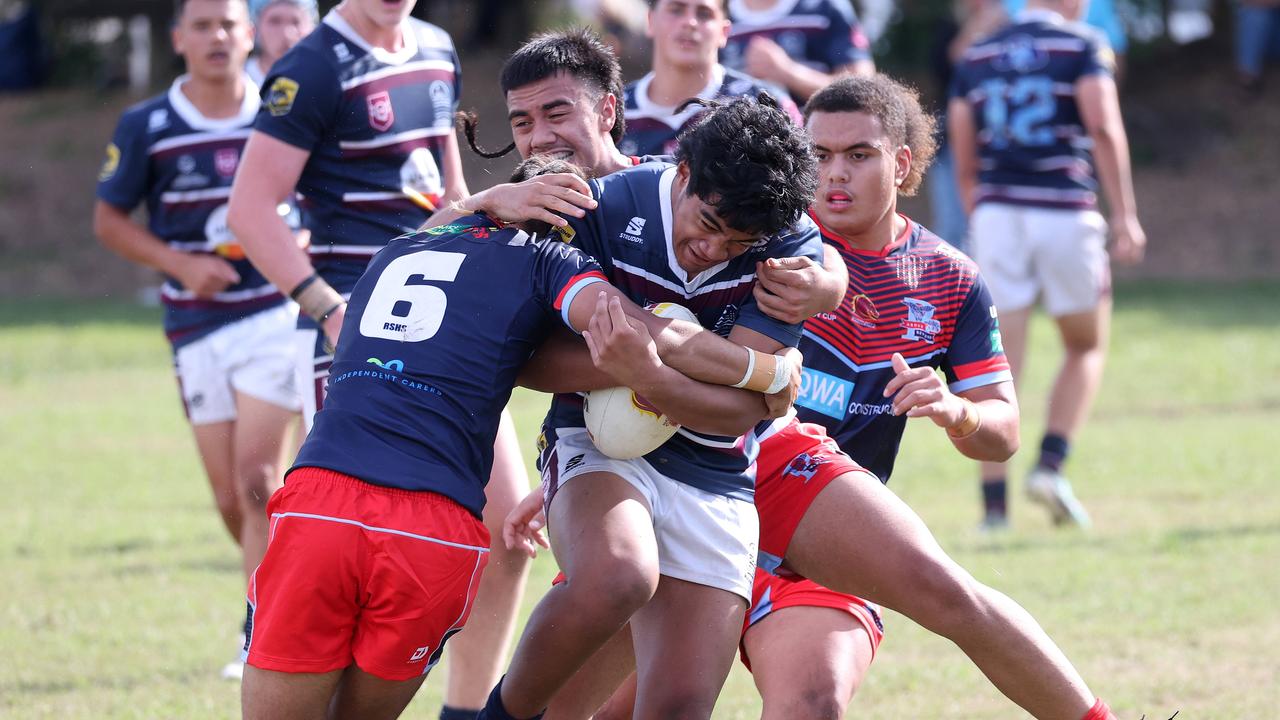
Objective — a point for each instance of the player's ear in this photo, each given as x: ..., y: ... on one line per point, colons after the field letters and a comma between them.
x: 608, y: 112
x: 901, y: 165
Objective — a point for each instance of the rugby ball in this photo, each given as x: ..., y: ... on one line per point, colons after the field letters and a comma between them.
x: 622, y: 424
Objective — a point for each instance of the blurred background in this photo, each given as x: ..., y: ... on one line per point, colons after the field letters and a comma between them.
x: 1206, y: 140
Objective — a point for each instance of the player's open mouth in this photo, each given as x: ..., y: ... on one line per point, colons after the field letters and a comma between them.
x: 218, y: 56
x: 560, y: 153
x: 838, y: 200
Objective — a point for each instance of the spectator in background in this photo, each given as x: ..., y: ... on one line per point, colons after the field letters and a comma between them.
x: 687, y: 37
x: 1100, y: 14
x: 970, y: 21
x: 277, y: 25
x: 797, y: 44
x: 1257, y: 40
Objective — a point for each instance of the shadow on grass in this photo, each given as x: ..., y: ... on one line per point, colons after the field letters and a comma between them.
x: 76, y: 313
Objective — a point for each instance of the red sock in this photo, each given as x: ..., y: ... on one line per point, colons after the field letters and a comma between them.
x: 1099, y: 711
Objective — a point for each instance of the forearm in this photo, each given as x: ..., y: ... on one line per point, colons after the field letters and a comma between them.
x: 997, y: 436
x: 131, y: 241
x: 267, y: 240
x: 1111, y: 158
x: 562, y: 365
x: 713, y: 409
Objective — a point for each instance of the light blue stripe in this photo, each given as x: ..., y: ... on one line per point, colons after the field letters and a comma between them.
x: 981, y: 380
x: 869, y: 366
x: 569, y: 296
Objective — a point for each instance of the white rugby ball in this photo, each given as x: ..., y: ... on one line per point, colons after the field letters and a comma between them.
x: 624, y: 425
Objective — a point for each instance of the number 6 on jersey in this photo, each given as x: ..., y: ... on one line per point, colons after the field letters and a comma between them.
x: 402, y: 306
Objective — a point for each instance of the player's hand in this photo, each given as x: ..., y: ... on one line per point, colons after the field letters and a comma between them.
x: 619, y: 345
x: 333, y: 325
x: 522, y: 529
x: 780, y: 402
x: 787, y: 289
x: 1128, y: 241
x: 766, y: 60
x: 549, y: 198
x: 206, y: 275
x: 920, y: 392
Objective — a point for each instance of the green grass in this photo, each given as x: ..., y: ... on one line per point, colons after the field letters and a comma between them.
x: 120, y: 594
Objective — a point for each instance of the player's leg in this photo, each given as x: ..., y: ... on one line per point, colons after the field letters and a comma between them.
x: 910, y: 573
x: 1003, y: 246
x: 604, y: 688
x: 685, y: 639
x: 477, y: 655
x: 209, y: 404
x: 363, y: 696
x: 262, y: 431
x: 215, y: 443
x: 1077, y: 293
x: 312, y: 372
x: 807, y: 661
x: 274, y: 695
x: 602, y: 536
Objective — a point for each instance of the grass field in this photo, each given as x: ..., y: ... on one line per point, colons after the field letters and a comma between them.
x: 120, y: 594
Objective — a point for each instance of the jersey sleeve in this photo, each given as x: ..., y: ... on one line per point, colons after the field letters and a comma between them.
x: 1098, y: 58
x: 560, y: 272
x: 123, y: 179
x: 844, y: 42
x: 803, y: 239
x: 976, y: 355
x: 588, y: 232
x: 959, y: 86
x: 300, y: 99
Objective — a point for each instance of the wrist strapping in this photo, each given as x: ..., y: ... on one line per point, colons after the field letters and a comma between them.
x: 969, y: 423
x: 765, y: 373
x: 316, y: 298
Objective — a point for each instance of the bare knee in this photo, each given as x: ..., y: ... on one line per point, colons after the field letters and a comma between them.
x: 945, y: 598
x: 679, y: 704
x: 612, y: 595
x: 256, y: 482
x: 818, y: 702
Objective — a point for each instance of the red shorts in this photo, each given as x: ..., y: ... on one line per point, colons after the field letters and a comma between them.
x: 355, y: 572
x: 771, y: 593
x: 794, y: 465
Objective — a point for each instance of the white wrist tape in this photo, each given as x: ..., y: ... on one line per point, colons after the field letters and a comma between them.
x: 751, y: 368
x: 781, y: 375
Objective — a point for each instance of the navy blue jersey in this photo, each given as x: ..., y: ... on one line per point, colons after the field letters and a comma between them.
x: 919, y: 297
x: 1021, y: 83
x: 375, y: 123
x: 435, y: 333
x: 822, y: 34
x: 181, y: 163
x: 653, y: 129
x: 629, y: 234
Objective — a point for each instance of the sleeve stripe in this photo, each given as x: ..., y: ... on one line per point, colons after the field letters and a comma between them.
x: 571, y: 289
x: 981, y: 380
x: 982, y: 367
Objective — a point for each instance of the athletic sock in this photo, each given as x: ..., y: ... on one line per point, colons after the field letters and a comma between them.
x: 495, y: 710
x: 1053, y: 452
x: 1099, y: 711
x: 994, y: 491
x: 453, y: 713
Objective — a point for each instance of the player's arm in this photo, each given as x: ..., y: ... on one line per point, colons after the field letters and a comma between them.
x: 1100, y: 111
x: 962, y: 135
x: 548, y: 198
x: 795, y: 289
x: 981, y: 422
x: 204, y: 275
x: 269, y: 171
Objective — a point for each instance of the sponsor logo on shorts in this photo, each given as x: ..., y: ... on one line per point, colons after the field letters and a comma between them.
x: 919, y: 323
x: 574, y: 462
x: 381, y: 115
x: 824, y: 393
x: 281, y: 95
x: 419, y: 654
x: 803, y: 466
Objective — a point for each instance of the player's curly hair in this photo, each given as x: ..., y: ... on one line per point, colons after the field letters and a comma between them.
x: 749, y: 161
x: 577, y: 51
x: 898, y: 109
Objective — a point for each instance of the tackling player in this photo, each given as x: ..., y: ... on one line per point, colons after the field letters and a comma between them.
x: 277, y: 25
x: 800, y: 45
x: 1033, y: 116
x: 358, y: 118
x: 687, y: 37
x: 377, y: 546
x: 227, y: 325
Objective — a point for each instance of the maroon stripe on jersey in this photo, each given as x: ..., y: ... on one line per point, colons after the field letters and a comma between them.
x: 387, y: 82
x: 207, y: 204
x: 195, y: 147
x: 224, y: 306
x: 432, y: 142
x: 1055, y: 204
x: 387, y: 205
x: 640, y: 286
x: 362, y: 259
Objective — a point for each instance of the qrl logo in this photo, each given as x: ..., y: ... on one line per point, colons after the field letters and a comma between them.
x: 381, y: 114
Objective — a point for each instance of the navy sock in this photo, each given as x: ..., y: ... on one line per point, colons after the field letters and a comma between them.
x: 1053, y: 452
x: 453, y: 713
x: 495, y: 710
x: 993, y: 496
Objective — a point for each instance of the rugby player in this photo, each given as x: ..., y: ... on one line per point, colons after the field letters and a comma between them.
x: 358, y: 118
x: 227, y: 325
x: 800, y: 45
x: 277, y: 26
x: 377, y: 547
x: 1035, y: 127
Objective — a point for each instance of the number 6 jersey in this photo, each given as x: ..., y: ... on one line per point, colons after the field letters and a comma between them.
x: 435, y: 333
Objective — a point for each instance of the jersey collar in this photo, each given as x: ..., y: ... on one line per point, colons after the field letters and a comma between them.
x: 667, y: 113
x: 1039, y: 15
x: 186, y: 109
x: 904, y: 238
x: 340, y: 25
x: 740, y: 13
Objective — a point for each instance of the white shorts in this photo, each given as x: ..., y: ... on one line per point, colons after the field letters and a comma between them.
x: 311, y: 372
x: 253, y: 356
x: 702, y: 537
x: 1025, y: 252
